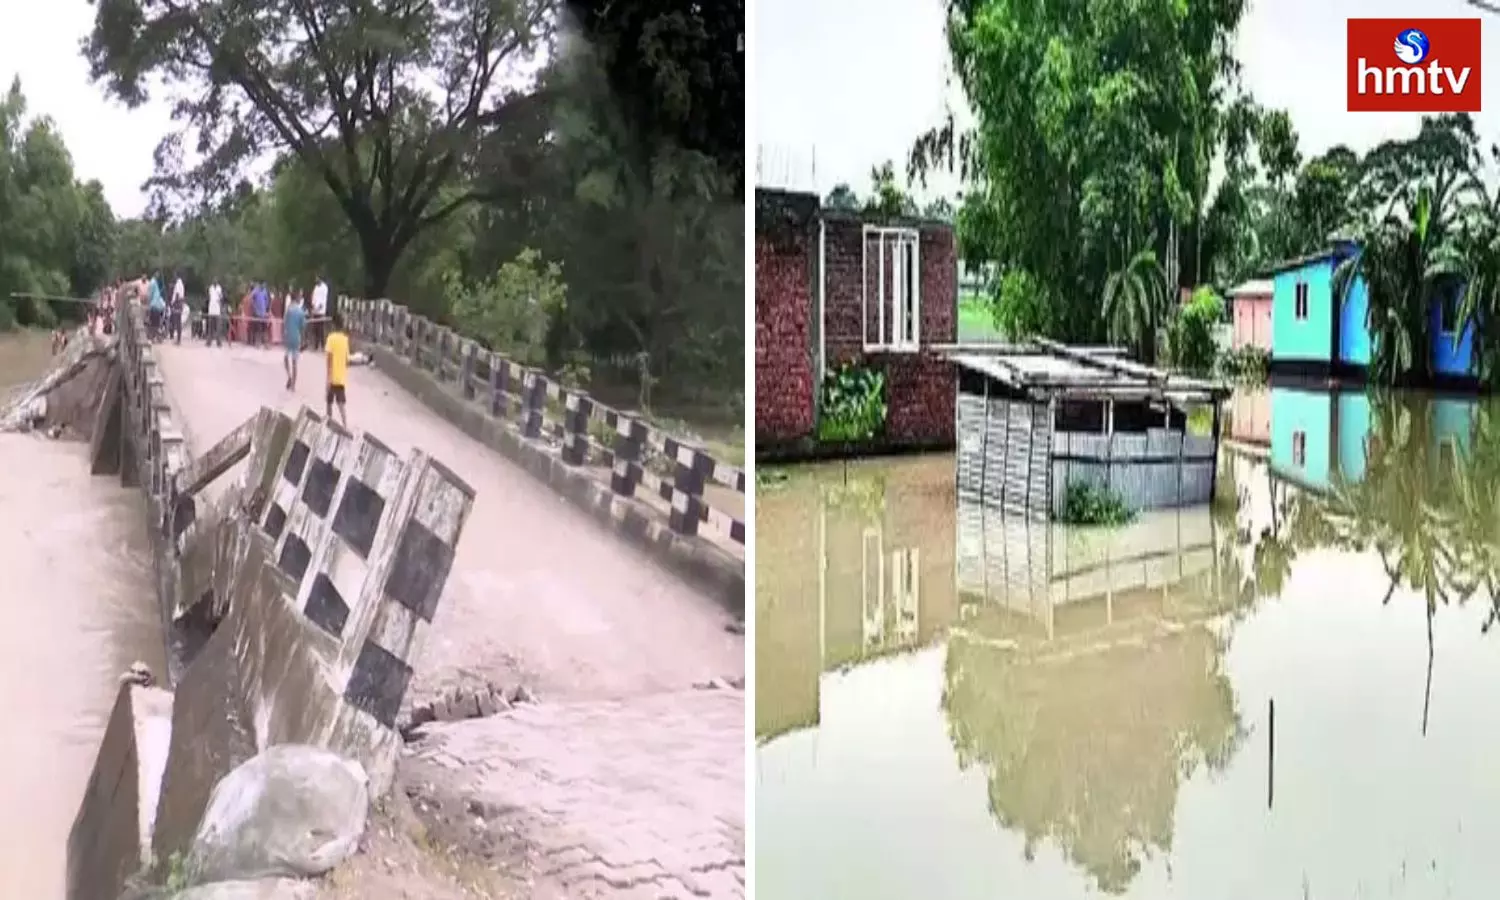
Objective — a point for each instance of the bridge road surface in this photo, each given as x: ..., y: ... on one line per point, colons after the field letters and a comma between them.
x: 538, y: 591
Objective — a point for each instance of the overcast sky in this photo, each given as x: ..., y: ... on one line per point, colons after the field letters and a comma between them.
x: 848, y: 83
x: 39, y: 42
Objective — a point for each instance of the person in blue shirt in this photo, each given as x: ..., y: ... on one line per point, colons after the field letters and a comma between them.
x: 260, y: 312
x: 156, y: 308
x: 291, y: 338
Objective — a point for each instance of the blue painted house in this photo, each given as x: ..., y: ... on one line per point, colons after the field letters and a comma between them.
x: 1312, y: 333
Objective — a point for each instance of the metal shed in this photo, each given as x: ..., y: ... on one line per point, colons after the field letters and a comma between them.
x: 1034, y: 418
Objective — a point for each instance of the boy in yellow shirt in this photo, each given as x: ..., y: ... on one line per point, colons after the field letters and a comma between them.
x: 336, y: 347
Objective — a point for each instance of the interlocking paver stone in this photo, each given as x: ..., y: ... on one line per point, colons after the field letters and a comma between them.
x: 615, y: 798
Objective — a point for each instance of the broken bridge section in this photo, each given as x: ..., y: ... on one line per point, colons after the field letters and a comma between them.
x: 296, y: 598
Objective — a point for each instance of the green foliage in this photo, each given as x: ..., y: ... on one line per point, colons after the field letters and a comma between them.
x: 1248, y: 365
x: 888, y: 200
x: 1137, y: 301
x: 1097, y: 126
x: 55, y: 233
x: 1407, y: 261
x: 842, y: 197
x: 1022, y: 306
x: 1190, y: 334
x: 636, y: 204
x: 512, y: 311
x: 852, y: 405
x: 1088, y: 504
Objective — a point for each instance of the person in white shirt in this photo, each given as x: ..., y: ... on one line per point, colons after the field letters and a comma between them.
x: 319, y: 314
x: 215, y: 315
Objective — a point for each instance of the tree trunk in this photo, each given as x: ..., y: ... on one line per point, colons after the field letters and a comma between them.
x: 380, y: 258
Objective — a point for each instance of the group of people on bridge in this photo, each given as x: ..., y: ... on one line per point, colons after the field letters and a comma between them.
x: 263, y: 316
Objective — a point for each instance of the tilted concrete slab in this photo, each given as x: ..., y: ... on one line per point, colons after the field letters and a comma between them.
x: 111, y: 836
x: 332, y: 575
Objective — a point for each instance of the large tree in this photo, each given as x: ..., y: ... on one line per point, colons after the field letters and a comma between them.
x: 383, y: 102
x: 677, y: 70
x: 56, y: 235
x: 1096, y: 127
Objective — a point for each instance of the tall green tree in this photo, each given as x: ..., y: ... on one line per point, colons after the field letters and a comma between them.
x: 56, y: 235
x: 384, y: 103
x: 1097, y: 128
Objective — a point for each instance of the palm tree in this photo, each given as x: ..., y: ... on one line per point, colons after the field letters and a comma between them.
x: 1479, y: 247
x: 1136, y: 301
x: 1409, y: 259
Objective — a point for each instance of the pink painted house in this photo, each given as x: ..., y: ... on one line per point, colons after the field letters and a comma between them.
x: 1250, y: 417
x: 1251, y: 303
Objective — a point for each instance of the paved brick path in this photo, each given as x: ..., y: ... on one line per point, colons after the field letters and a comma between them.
x: 640, y: 798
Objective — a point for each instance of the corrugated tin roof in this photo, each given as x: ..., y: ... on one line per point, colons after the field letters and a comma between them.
x: 1056, y: 369
x: 1253, y: 287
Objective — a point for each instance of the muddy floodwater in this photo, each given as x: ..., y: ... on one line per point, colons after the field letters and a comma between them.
x: 1292, y: 693
x: 77, y: 611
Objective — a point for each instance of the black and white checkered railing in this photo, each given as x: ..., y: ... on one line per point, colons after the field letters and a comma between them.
x: 368, y: 538
x: 587, y: 432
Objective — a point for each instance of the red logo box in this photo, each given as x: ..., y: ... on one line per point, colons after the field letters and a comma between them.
x: 1413, y: 65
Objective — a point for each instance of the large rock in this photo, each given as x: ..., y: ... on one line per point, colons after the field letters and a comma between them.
x: 290, y: 811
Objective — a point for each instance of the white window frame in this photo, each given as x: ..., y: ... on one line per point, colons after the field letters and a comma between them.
x: 902, y: 305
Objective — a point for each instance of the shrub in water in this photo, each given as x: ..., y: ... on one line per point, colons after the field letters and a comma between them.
x: 1089, y: 504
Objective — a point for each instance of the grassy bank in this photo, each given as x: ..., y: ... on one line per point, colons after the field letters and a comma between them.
x: 975, y: 321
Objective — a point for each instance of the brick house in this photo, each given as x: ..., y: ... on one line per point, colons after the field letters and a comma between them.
x: 834, y: 288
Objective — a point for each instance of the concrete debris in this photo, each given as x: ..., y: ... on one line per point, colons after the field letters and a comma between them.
x: 465, y: 703
x: 138, y: 673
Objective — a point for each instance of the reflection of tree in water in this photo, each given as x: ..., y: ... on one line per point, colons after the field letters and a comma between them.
x: 1087, y: 746
x: 1429, y: 514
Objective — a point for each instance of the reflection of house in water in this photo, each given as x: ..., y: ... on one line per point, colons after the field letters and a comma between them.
x: 1320, y: 436
x: 1250, y: 417
x: 850, y: 567
x: 887, y: 550
x: 1085, y: 681
x: 1060, y: 578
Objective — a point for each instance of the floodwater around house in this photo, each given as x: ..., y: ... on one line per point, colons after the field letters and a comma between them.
x: 953, y: 704
x: 78, y: 611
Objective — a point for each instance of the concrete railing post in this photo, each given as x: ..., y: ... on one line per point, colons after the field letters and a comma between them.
x: 630, y: 440
x: 466, y: 369
x: 688, y: 482
x: 535, y: 404
x: 500, y: 386
x: 579, y: 410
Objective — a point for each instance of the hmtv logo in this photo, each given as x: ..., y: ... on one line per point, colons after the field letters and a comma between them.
x: 1414, y: 65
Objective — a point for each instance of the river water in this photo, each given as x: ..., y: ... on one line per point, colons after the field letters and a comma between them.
x: 78, y: 611
x: 1293, y: 693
